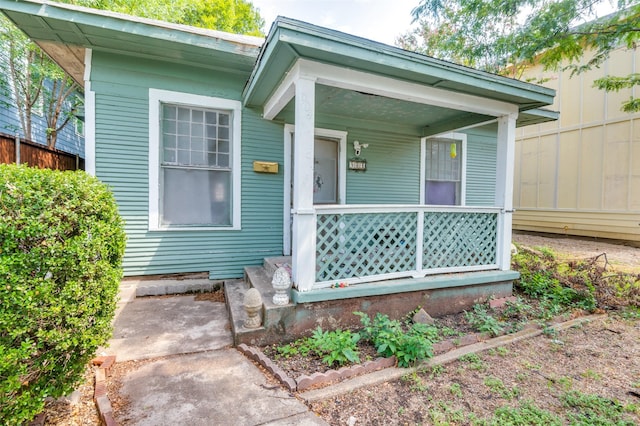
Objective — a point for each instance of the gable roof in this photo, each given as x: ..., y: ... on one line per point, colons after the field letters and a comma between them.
x: 64, y: 32
x: 290, y: 39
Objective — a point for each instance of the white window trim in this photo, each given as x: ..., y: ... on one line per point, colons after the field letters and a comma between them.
x: 156, y: 98
x: 289, y: 130
x: 463, y: 178
x: 76, y: 120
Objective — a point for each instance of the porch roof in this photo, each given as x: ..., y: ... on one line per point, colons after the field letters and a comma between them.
x: 64, y: 32
x: 290, y: 41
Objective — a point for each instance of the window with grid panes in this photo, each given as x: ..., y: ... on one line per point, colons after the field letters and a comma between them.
x: 443, y: 172
x: 195, y: 166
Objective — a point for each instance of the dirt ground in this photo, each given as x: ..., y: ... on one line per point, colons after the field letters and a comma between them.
x: 602, y: 358
x: 599, y: 361
x: 622, y: 257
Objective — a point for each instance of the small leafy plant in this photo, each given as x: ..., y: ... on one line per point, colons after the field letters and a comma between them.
x: 389, y: 338
x: 483, y: 322
x: 336, y: 347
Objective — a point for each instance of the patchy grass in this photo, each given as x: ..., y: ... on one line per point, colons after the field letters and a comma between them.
x: 582, y: 376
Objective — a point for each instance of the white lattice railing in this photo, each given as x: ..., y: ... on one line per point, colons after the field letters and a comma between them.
x: 356, y: 244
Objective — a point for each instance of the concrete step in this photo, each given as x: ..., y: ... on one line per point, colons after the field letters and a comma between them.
x: 162, y: 287
x: 270, y: 264
x: 273, y: 316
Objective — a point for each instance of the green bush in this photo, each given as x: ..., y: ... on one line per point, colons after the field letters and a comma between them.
x: 61, y: 245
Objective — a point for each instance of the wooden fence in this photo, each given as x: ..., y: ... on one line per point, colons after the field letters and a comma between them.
x: 37, y: 155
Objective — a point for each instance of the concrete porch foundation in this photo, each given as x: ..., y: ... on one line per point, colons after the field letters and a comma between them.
x: 333, y: 308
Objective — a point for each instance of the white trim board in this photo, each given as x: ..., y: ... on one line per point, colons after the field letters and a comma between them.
x: 344, y: 78
x: 156, y: 98
x: 90, y: 117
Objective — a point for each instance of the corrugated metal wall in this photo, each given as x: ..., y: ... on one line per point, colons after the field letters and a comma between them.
x: 581, y: 174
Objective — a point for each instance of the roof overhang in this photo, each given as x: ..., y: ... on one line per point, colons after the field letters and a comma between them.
x: 65, y: 31
x: 440, y: 95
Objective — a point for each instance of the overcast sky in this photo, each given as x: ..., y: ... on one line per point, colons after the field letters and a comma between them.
x: 379, y: 20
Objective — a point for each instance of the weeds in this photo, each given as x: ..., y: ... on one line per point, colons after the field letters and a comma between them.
x: 437, y: 370
x: 455, y: 390
x: 389, y: 338
x: 474, y: 361
x: 594, y: 409
x: 483, y: 322
x: 415, y: 382
x: 525, y: 414
x: 496, y: 385
x: 334, y: 347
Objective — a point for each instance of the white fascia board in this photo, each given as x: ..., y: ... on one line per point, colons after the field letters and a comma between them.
x: 285, y: 91
x: 331, y: 75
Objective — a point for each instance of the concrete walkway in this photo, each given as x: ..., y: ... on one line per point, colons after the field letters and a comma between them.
x: 194, y: 376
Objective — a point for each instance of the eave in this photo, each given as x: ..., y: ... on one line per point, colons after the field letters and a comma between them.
x: 65, y: 31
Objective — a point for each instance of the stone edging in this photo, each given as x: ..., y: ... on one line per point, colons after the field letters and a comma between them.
x: 102, y: 369
x: 305, y: 382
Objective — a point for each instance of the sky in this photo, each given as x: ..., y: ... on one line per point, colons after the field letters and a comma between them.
x: 378, y: 20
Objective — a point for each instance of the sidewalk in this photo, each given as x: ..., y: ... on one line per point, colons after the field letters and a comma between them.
x: 195, y: 376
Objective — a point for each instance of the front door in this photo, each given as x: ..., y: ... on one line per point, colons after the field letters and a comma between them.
x: 325, y: 171
x: 328, y: 173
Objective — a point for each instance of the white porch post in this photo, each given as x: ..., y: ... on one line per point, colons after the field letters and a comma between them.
x: 304, y: 220
x: 504, y: 186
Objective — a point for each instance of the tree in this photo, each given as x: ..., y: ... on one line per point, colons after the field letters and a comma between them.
x: 235, y: 16
x: 507, y: 36
x: 35, y: 80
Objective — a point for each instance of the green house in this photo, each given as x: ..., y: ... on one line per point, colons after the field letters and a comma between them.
x: 353, y: 162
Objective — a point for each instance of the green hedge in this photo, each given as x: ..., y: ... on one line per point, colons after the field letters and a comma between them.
x: 61, y: 246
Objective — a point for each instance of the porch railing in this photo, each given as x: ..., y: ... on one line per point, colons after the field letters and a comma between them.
x: 356, y: 244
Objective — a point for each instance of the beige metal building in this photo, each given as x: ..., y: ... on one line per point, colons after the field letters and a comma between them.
x: 580, y: 175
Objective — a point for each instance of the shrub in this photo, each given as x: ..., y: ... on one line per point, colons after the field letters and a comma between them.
x: 61, y: 244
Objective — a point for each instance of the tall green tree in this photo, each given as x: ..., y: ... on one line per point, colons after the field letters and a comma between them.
x: 35, y: 81
x: 234, y: 16
x: 507, y: 36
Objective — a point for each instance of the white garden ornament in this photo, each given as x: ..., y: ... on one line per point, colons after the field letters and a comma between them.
x: 281, y: 284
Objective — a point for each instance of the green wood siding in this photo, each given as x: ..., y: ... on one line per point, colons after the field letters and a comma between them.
x: 393, y: 169
x: 481, y: 165
x: 121, y: 85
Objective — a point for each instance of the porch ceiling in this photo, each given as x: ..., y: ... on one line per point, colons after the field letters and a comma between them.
x: 368, y: 110
x: 65, y: 31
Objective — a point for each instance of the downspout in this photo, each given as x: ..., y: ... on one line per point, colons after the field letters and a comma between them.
x: 17, y: 148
